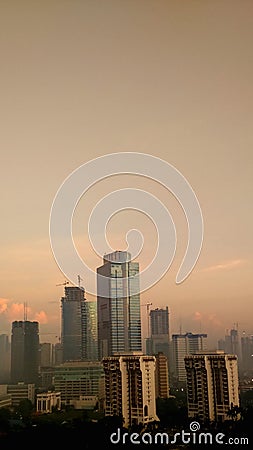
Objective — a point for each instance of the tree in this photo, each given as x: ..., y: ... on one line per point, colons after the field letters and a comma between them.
x: 25, y: 410
x: 234, y: 412
x: 5, y: 416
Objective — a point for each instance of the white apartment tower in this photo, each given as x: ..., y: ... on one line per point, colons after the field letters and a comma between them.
x: 212, y: 385
x: 130, y: 388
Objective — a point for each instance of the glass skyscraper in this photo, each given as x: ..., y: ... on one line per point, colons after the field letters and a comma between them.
x: 90, y: 350
x: 72, y: 308
x: 118, y: 305
x: 79, y: 326
x: 159, y: 340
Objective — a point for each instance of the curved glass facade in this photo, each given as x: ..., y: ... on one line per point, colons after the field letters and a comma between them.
x: 119, y: 319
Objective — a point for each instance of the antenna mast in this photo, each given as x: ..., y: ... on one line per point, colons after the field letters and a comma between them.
x: 25, y: 311
x: 79, y: 279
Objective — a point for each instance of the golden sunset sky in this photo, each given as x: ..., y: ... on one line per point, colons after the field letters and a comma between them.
x: 173, y: 79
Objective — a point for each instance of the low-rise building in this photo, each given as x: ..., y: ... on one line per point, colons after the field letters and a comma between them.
x: 46, y: 402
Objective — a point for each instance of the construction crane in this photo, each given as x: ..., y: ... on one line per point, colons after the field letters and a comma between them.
x: 48, y: 334
x: 63, y: 284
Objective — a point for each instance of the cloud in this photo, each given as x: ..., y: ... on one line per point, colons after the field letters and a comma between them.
x: 207, y: 319
x: 12, y: 311
x: 3, y: 305
x: 197, y: 315
x: 226, y: 265
x: 41, y: 317
x: 15, y: 311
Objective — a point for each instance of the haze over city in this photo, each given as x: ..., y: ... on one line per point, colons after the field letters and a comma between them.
x: 80, y: 80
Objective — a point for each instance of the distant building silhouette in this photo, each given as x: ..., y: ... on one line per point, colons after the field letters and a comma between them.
x: 57, y: 353
x: 5, y: 358
x: 25, y: 352
x: 231, y: 344
x: 247, y: 354
x: 183, y: 344
x: 159, y: 340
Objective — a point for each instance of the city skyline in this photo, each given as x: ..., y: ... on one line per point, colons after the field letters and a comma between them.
x: 83, y: 80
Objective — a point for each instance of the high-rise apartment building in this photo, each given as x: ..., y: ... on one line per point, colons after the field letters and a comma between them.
x: 25, y: 352
x: 183, y: 344
x: 118, y: 305
x: 212, y: 385
x: 162, y: 376
x: 130, y: 388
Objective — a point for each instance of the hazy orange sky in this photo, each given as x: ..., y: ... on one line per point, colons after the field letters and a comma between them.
x: 81, y: 79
